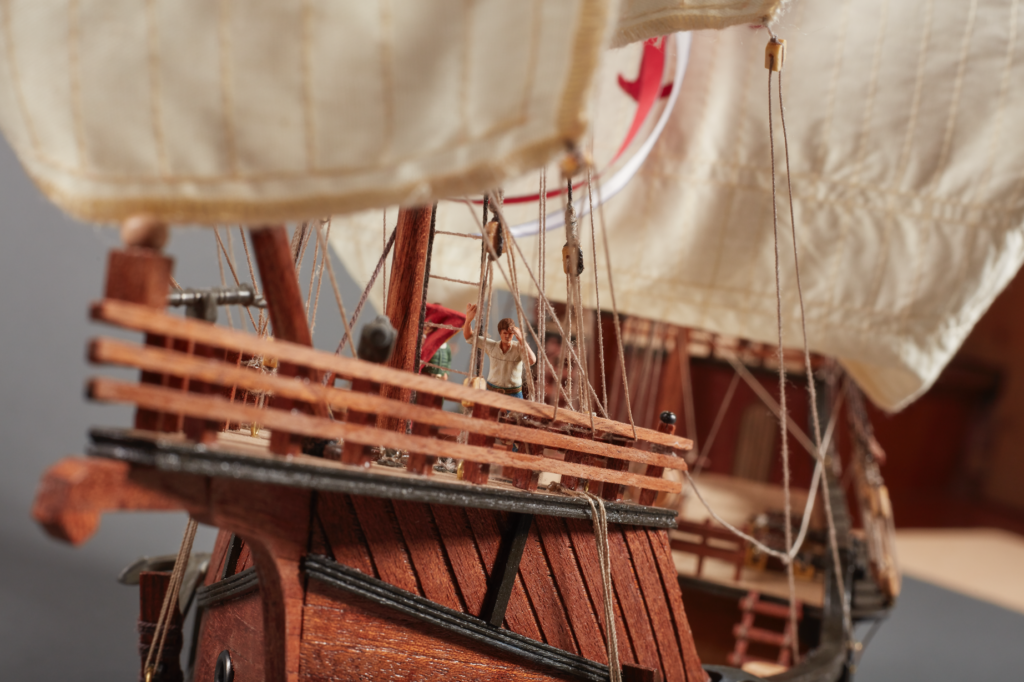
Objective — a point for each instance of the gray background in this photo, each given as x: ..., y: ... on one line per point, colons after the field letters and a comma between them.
x: 63, y: 616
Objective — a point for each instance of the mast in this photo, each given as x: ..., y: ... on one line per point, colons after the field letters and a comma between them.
x: 405, y: 297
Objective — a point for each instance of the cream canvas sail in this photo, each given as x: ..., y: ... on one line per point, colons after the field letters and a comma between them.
x: 197, y: 110
x: 906, y: 125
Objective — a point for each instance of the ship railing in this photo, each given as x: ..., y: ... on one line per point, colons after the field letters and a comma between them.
x: 205, y: 378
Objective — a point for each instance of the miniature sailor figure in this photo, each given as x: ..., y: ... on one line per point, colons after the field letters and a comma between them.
x: 507, y: 356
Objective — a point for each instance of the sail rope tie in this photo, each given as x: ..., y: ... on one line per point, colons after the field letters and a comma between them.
x: 615, y: 308
x: 599, y: 516
x: 826, y: 498
x: 170, y: 597
x: 544, y: 300
x: 337, y: 291
x: 366, y: 292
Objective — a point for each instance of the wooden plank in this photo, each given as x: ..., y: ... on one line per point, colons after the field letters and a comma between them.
x: 547, y: 602
x: 669, y: 578
x: 348, y: 637
x: 518, y: 616
x: 570, y: 587
x: 218, y: 408
x: 460, y: 547
x: 384, y: 538
x: 657, y: 606
x: 362, y: 398
x: 235, y: 626
x: 631, y: 600
x: 133, y: 316
x: 581, y: 534
x: 474, y: 472
x: 343, y: 532
x: 424, y: 544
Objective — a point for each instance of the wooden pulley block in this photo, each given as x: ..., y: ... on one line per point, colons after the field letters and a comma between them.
x: 496, y: 238
x: 775, y: 54
x: 478, y: 383
x: 144, y: 232
x: 567, y: 258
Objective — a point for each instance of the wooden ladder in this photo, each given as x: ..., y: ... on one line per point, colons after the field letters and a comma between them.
x: 745, y: 632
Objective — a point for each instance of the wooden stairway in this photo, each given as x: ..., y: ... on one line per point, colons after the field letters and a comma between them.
x: 745, y: 631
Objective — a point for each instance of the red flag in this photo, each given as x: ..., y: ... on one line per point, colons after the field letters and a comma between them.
x: 436, y: 336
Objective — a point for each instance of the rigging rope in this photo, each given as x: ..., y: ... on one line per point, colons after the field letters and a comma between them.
x: 597, y: 288
x: 544, y: 299
x: 542, y: 316
x: 615, y: 308
x: 599, y: 516
x: 366, y: 292
x: 337, y: 293
x: 170, y: 597
x: 220, y: 270
x: 788, y: 529
x: 833, y: 541
x: 384, y: 248
x: 325, y: 258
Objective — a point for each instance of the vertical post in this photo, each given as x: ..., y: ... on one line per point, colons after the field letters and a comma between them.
x: 419, y: 463
x: 287, y: 317
x: 139, y: 273
x: 405, y: 297
x: 666, y: 424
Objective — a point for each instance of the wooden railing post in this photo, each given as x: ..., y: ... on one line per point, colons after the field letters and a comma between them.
x: 613, y: 492
x: 667, y: 424
x: 419, y: 463
x: 139, y: 273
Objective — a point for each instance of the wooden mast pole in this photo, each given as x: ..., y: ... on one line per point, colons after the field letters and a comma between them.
x: 405, y: 296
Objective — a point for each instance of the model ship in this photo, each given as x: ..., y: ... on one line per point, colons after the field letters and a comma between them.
x: 571, y: 562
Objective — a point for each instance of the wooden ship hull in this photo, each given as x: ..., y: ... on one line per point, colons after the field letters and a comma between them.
x: 330, y: 566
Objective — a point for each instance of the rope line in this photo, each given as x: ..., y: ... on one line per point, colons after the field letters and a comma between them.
x: 324, y: 258
x: 833, y: 541
x: 337, y: 294
x: 542, y: 317
x: 615, y: 308
x: 366, y: 292
x: 597, y: 288
x: 788, y: 510
x: 170, y: 597
x: 546, y: 302
x: 457, y: 281
x: 459, y: 234
x: 600, y: 518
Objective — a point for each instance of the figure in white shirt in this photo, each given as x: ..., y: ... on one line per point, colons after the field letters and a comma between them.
x: 507, y: 356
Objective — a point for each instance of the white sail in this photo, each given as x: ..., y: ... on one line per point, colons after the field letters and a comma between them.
x: 906, y: 125
x: 206, y: 111
x: 643, y: 19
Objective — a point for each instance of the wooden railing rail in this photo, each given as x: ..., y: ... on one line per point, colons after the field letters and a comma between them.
x: 141, y: 318
x: 211, y: 371
x: 219, y: 408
